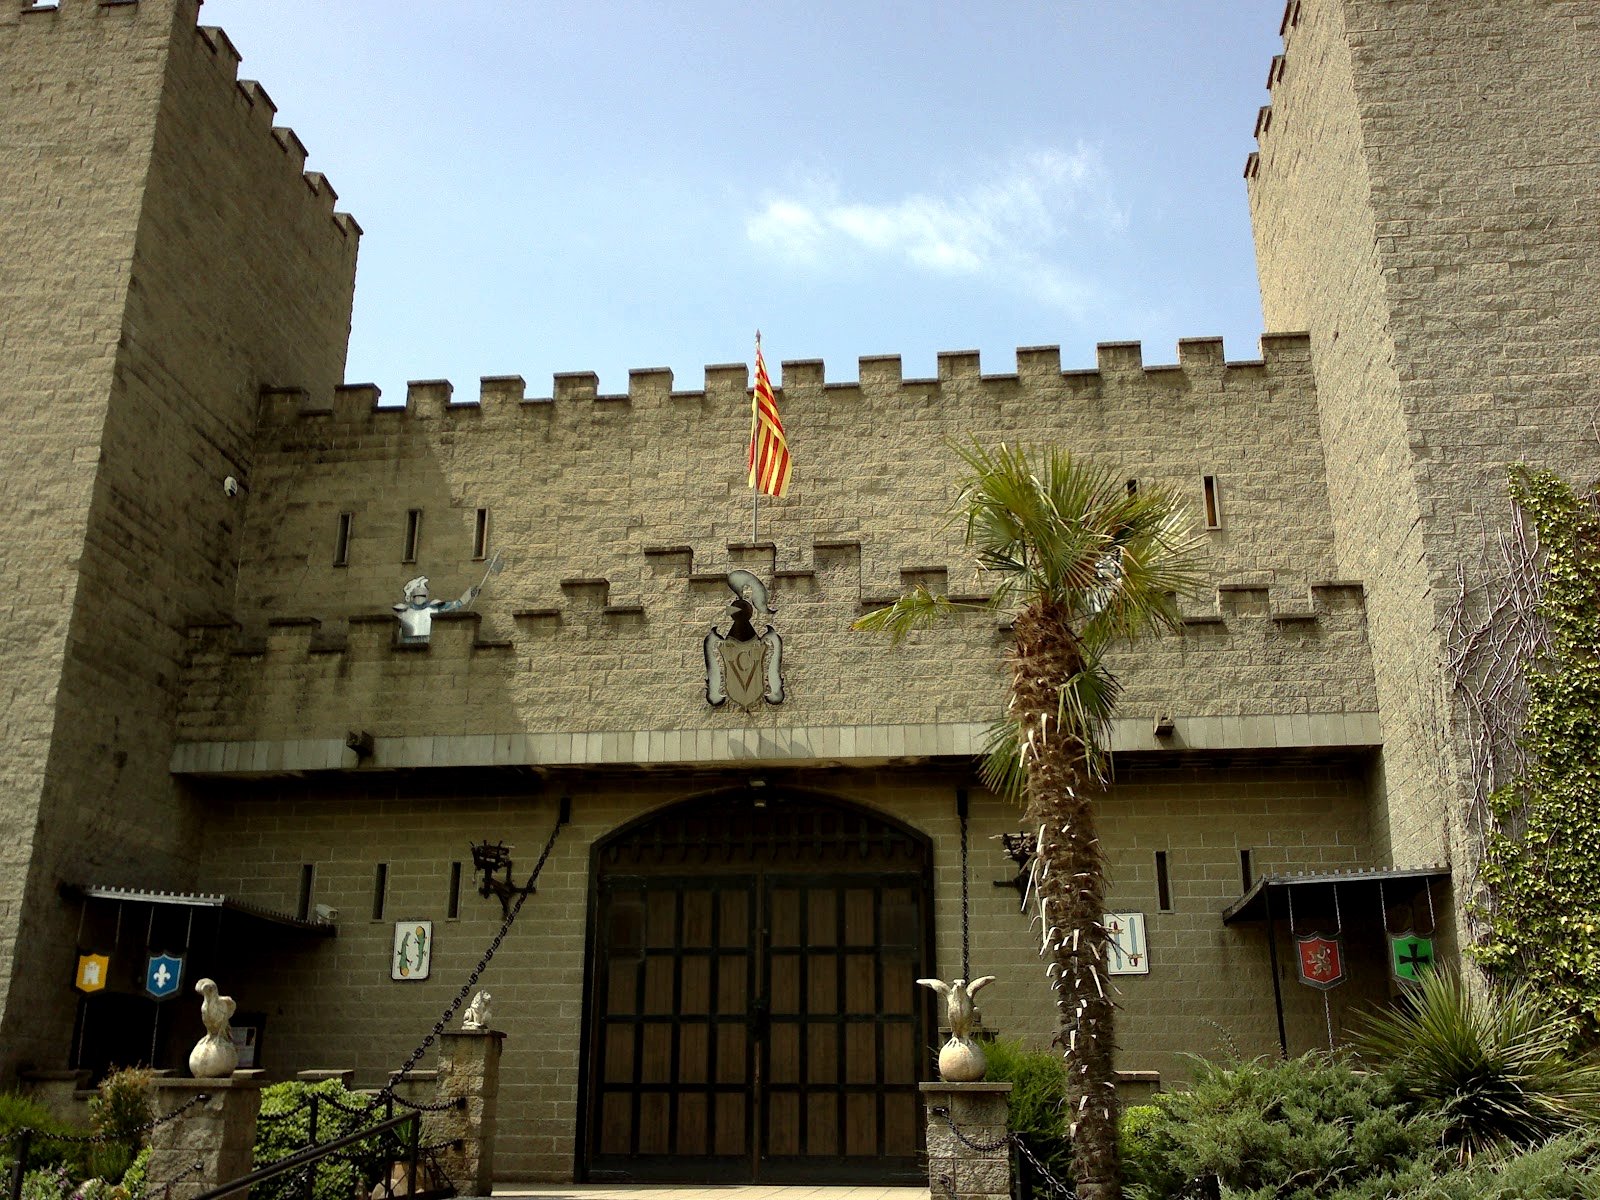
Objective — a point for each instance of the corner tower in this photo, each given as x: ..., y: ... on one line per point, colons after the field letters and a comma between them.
x: 1423, y: 204
x: 162, y: 258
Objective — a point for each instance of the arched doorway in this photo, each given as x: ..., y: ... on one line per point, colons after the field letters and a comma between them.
x: 751, y: 1006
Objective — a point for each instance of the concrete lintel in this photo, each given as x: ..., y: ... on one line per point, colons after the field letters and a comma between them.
x: 819, y: 744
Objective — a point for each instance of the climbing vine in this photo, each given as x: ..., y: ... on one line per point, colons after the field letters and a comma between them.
x: 1541, y: 839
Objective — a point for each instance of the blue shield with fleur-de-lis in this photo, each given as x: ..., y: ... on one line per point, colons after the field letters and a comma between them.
x: 162, y: 975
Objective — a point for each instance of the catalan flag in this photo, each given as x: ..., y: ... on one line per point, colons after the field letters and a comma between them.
x: 769, y: 449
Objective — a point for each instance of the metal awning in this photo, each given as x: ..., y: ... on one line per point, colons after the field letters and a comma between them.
x: 1255, y: 904
x: 199, y: 900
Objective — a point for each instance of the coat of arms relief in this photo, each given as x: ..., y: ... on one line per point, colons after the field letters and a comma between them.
x: 745, y: 664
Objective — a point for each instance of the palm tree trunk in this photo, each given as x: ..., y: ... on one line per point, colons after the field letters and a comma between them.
x: 1070, y: 877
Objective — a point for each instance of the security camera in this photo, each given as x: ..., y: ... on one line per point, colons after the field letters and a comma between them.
x: 326, y: 912
x: 230, y: 486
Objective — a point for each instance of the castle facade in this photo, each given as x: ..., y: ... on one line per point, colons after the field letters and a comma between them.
x: 223, y: 749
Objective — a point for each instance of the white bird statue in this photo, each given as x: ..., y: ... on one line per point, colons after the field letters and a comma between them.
x: 214, y: 1056
x: 959, y: 1011
x: 962, y: 1059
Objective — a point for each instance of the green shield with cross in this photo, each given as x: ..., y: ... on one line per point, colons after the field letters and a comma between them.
x: 1410, y: 956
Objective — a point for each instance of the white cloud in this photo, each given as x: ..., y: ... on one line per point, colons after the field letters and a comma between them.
x: 1013, y: 228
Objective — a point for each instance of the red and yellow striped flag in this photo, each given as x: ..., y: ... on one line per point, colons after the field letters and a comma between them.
x: 769, y: 449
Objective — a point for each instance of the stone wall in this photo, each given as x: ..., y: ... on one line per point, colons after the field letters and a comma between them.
x: 170, y: 259
x: 620, y: 516
x: 333, y: 1001
x: 1418, y: 201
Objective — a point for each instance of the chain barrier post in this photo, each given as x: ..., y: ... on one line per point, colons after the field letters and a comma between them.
x: 20, y: 1167
x: 969, y: 1145
x: 209, y: 1120
x: 469, y: 1086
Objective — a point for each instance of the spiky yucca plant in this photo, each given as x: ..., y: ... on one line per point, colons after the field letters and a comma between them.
x: 1078, y: 560
x: 1494, y: 1060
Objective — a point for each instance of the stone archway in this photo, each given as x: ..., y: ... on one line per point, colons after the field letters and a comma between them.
x: 751, y: 1012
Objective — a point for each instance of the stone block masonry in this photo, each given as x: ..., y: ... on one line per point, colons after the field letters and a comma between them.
x: 1415, y: 198
x: 154, y: 286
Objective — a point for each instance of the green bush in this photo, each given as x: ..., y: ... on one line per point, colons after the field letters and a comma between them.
x: 1271, y: 1130
x: 18, y: 1112
x: 1494, y: 1062
x: 1565, y: 1168
x: 284, y: 1126
x: 121, y: 1109
x: 1037, y: 1104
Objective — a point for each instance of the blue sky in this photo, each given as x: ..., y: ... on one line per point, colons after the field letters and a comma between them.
x: 600, y: 186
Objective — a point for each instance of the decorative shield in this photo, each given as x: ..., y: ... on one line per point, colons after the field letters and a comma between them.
x: 1125, y: 940
x: 92, y: 969
x: 162, y: 975
x: 1321, y: 960
x: 743, y: 674
x: 412, y: 959
x: 745, y: 664
x: 1410, y: 956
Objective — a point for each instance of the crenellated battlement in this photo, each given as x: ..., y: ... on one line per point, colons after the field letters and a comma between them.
x: 102, y: 19
x: 1275, y: 73
x: 652, y: 387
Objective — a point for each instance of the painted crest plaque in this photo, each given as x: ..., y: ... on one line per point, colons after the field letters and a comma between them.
x: 744, y: 665
x: 413, y: 951
x: 1130, y: 955
x: 1410, y: 956
x: 162, y: 975
x: 92, y: 970
x: 1321, y: 960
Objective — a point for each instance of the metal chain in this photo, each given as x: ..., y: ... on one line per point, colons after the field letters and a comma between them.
x: 966, y: 963
x: 106, y: 1139
x: 444, y: 1019
x: 1055, y: 1186
x: 438, y: 1106
x: 165, y: 1189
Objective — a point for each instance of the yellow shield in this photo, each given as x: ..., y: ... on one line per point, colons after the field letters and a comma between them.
x: 92, y: 969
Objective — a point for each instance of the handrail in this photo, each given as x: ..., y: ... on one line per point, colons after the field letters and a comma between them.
x: 311, y: 1154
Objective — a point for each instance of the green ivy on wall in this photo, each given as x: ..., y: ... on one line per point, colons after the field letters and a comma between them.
x: 1542, y: 855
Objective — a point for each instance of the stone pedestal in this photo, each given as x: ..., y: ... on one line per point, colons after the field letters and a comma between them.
x: 977, y: 1164
x: 218, y: 1134
x: 469, y: 1067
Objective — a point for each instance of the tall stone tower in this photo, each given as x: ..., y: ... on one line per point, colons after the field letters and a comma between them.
x: 1424, y: 205
x: 164, y: 256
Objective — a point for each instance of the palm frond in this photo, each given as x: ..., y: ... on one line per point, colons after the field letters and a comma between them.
x: 917, y: 609
x: 1003, y: 771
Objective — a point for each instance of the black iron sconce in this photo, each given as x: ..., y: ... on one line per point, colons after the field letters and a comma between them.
x: 493, y: 860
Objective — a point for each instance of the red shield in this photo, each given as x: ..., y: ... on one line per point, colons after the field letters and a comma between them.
x: 1321, y: 960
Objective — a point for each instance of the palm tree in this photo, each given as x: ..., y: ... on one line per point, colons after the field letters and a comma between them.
x: 1080, y: 560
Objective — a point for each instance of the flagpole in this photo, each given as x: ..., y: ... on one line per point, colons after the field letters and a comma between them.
x: 755, y: 487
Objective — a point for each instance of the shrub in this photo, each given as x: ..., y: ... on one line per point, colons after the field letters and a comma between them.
x: 121, y: 1109
x: 1564, y: 1168
x: 23, y: 1112
x: 1495, y: 1063
x: 1295, y: 1130
x: 1036, y: 1107
x: 284, y: 1126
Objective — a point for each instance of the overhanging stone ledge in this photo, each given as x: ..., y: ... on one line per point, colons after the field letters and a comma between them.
x: 862, y: 745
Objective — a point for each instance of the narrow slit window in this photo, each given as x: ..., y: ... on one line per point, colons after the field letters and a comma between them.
x: 1213, y: 509
x: 413, y: 534
x: 1133, y: 487
x: 1163, y: 883
x: 380, y: 890
x: 341, y: 541
x: 480, y: 535
x: 453, y: 903
x: 1247, y: 875
x: 308, y: 878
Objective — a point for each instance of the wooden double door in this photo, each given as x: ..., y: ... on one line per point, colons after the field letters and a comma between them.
x: 750, y: 1021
